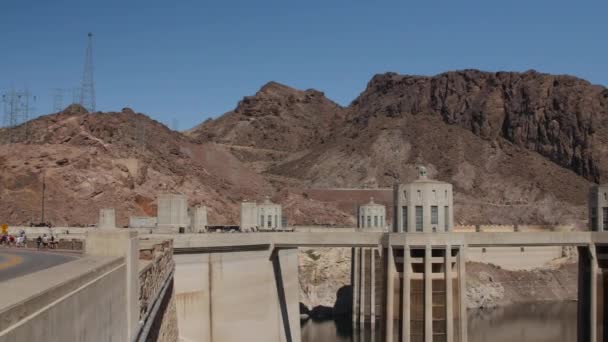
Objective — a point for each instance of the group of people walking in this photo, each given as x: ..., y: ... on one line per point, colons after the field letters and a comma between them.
x: 47, y: 242
x: 12, y: 240
x: 20, y: 240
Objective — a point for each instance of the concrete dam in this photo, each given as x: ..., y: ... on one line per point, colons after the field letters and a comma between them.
x: 407, y: 282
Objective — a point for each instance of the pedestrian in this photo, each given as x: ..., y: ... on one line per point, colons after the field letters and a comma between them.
x: 54, y: 242
x: 38, y: 241
x: 45, y: 241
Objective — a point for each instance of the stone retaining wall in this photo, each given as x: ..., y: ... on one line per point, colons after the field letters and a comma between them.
x: 65, y: 244
x: 158, y: 256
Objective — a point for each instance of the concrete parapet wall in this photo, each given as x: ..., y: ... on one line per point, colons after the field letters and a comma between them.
x: 45, y: 305
x: 544, y: 228
x: 142, y: 222
x: 497, y: 228
x: 465, y: 228
x: 62, y: 303
x: 510, y: 228
x: 319, y: 229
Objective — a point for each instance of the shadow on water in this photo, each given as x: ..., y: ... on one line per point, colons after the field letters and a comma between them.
x: 338, y: 331
x: 539, y: 322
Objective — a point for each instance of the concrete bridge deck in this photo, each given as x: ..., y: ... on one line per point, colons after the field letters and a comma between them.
x: 224, y: 241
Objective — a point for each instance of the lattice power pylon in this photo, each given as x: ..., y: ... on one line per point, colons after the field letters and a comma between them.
x: 18, y: 109
x: 87, y: 92
x: 57, y: 100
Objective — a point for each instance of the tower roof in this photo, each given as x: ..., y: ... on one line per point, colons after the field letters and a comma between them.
x: 423, y: 177
x: 372, y: 203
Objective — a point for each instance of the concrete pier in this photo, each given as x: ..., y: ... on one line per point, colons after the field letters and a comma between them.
x: 390, y: 294
x: 592, y: 297
x: 423, y: 293
x: 120, y: 243
x: 366, y: 271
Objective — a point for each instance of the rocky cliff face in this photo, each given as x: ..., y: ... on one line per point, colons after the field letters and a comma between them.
x: 555, y: 116
x: 519, y: 147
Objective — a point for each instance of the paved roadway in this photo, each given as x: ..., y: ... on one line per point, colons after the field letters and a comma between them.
x: 16, y: 262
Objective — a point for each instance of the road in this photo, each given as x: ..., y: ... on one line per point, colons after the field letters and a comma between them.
x: 18, y: 262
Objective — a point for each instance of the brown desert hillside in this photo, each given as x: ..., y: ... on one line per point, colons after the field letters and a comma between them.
x: 120, y: 160
x: 518, y: 147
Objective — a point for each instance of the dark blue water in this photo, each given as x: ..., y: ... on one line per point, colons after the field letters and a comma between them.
x: 539, y: 322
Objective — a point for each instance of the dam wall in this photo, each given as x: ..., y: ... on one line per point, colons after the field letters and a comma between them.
x: 246, y: 295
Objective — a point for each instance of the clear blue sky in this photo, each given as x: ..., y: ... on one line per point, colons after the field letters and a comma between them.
x: 195, y: 60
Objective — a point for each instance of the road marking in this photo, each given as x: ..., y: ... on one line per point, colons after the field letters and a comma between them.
x: 12, y: 260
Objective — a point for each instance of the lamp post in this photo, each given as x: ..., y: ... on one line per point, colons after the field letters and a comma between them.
x: 43, y: 189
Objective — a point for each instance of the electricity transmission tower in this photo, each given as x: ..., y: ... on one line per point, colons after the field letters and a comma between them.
x: 57, y: 100
x: 87, y: 92
x: 140, y: 136
x: 18, y: 108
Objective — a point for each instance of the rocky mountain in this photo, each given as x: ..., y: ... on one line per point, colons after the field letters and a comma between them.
x: 518, y: 147
x: 556, y: 116
x: 276, y: 118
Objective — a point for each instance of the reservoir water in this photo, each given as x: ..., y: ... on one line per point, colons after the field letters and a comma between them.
x: 539, y: 322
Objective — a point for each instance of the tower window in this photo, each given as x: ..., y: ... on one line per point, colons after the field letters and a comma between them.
x: 369, y: 221
x: 404, y: 217
x: 262, y: 220
x: 419, y: 218
x: 376, y: 221
x: 446, y: 217
x: 605, y: 210
x: 434, y: 215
